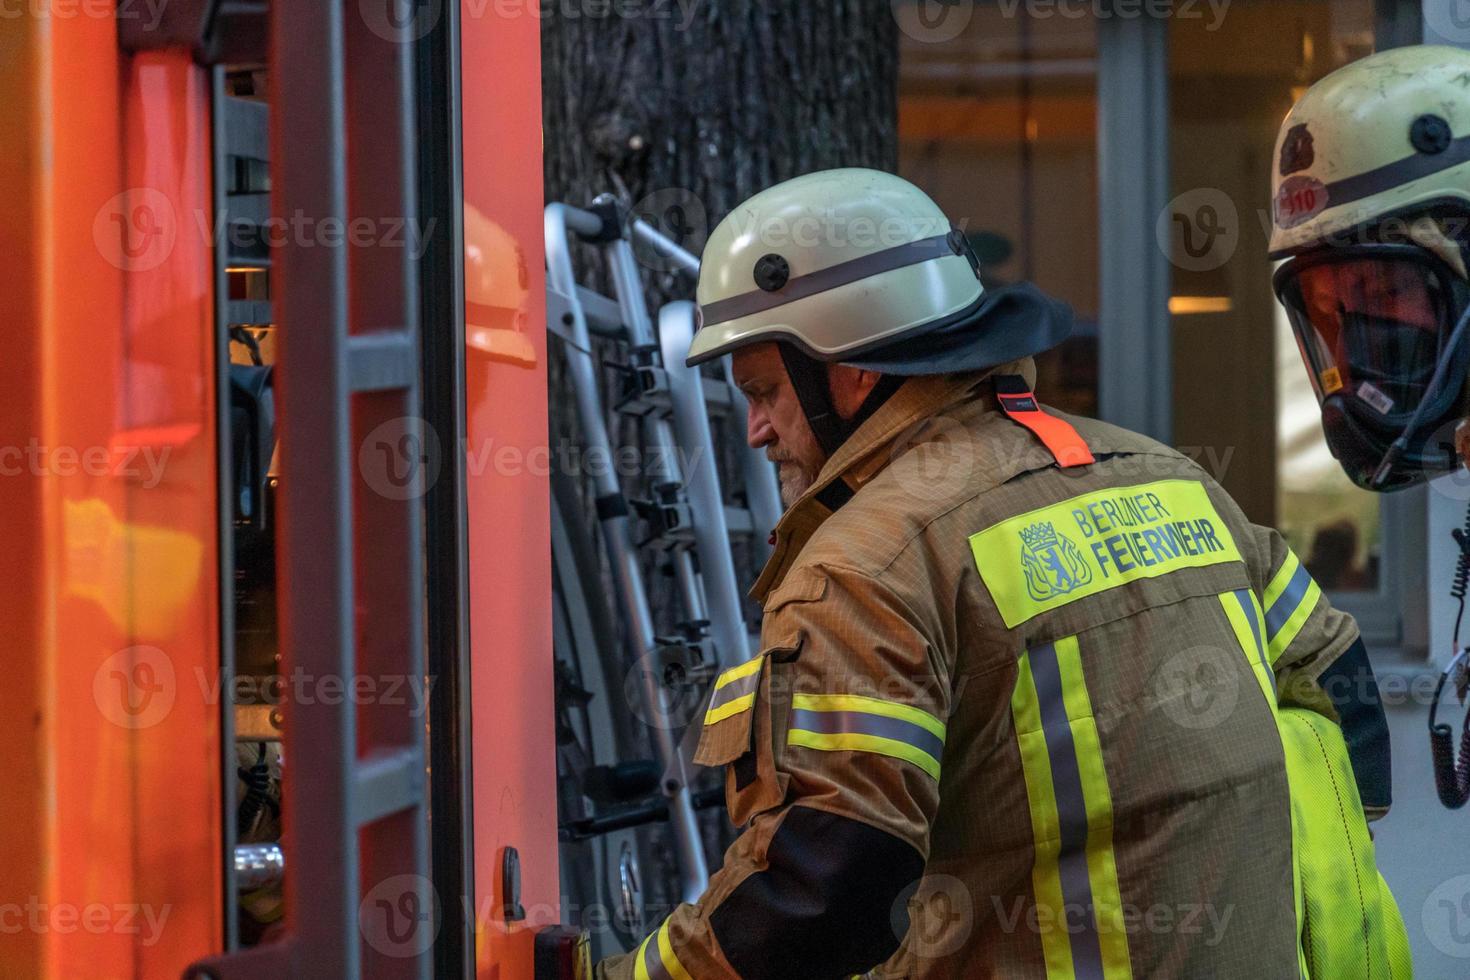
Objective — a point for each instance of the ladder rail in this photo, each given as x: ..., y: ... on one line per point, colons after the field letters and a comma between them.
x: 613, y: 516
x: 706, y: 505
x: 356, y: 860
x: 668, y: 248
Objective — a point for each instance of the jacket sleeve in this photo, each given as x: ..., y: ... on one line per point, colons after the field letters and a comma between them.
x: 833, y: 738
x: 1321, y: 663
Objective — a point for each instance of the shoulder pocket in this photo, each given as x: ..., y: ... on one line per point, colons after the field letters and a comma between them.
x: 804, y: 586
x: 727, y: 720
x: 739, y: 732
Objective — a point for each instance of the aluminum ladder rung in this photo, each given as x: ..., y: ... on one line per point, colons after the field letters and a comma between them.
x: 387, y: 782
x: 385, y: 360
x: 739, y: 522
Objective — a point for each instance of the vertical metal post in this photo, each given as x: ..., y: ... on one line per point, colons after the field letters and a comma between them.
x: 358, y: 898
x: 691, y: 420
x: 441, y: 200
x: 318, y: 628
x: 225, y: 509
x: 1134, y: 344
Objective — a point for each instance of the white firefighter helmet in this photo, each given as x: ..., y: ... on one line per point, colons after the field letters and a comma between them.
x: 1370, y: 199
x: 1385, y: 136
x: 835, y: 263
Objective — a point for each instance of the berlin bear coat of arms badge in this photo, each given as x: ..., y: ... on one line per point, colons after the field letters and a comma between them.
x: 1052, y: 563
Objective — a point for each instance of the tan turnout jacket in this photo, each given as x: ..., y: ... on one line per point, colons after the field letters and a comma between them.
x: 1042, y: 691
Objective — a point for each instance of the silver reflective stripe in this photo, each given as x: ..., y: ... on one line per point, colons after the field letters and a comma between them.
x: 652, y: 961
x: 862, y: 723
x: 735, y: 689
x: 1077, y: 904
x: 1287, y: 601
x: 1248, y: 604
x: 758, y: 301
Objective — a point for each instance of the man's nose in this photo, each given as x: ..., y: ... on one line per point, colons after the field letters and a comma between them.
x: 758, y: 429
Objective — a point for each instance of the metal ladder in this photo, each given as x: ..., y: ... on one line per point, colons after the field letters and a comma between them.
x: 356, y: 848
x: 688, y: 514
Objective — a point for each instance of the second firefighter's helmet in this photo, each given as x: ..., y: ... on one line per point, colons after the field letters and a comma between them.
x: 1370, y: 198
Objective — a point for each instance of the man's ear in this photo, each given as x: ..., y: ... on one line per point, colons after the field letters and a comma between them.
x: 850, y: 387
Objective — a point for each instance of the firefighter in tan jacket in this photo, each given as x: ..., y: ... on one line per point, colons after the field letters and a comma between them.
x: 1013, y: 715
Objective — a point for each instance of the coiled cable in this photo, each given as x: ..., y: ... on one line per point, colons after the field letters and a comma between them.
x: 257, y: 780
x: 1451, y: 769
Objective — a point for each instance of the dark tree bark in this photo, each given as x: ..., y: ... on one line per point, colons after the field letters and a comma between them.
x: 714, y: 99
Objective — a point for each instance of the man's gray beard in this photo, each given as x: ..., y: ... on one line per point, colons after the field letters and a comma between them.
x: 793, y: 486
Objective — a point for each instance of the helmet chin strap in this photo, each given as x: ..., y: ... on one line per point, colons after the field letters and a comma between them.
x: 814, y: 391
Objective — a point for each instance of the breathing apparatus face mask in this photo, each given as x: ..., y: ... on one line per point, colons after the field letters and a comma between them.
x: 1380, y: 328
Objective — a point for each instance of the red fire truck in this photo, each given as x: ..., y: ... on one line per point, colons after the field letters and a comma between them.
x: 231, y: 220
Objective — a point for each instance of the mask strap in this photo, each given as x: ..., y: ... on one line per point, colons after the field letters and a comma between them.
x: 1396, y: 450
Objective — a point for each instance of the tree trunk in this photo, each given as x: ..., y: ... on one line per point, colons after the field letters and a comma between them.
x: 693, y: 105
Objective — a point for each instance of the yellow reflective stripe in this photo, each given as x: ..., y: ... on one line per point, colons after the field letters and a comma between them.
x: 1097, y: 541
x: 658, y: 962
x: 1251, y: 642
x: 1046, y: 877
x: 1295, y: 622
x: 857, y: 742
x: 1074, y: 685
x: 734, y: 691
x: 729, y: 709
x: 666, y: 954
x: 735, y: 673
x: 640, y: 970
x: 1102, y: 868
x: 1280, y: 580
x: 870, y: 706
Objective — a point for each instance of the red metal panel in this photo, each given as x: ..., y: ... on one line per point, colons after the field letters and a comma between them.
x: 113, y: 863
x: 167, y: 411
x: 508, y: 490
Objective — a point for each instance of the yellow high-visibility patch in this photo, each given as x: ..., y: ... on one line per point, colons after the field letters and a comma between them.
x: 1054, y: 555
x: 1074, y: 873
x: 734, y: 691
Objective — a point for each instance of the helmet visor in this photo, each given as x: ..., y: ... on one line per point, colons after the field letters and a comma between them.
x: 1371, y: 321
